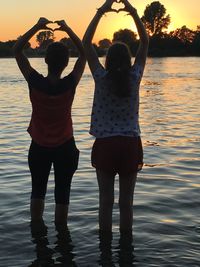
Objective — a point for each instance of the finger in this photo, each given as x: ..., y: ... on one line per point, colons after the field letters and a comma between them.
x: 47, y: 28
x: 43, y: 19
x: 57, y: 21
x: 47, y: 20
x: 113, y: 10
x: 122, y: 9
x: 57, y: 29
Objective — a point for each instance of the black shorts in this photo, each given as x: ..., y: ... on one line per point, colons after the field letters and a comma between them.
x: 64, y: 159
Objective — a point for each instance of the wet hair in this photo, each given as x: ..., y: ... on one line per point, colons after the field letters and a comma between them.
x: 57, y: 57
x: 118, y: 65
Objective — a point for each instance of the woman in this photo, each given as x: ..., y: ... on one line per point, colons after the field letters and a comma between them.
x: 51, y: 127
x: 114, y: 122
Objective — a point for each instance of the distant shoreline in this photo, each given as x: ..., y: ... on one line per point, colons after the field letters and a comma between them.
x: 160, y: 56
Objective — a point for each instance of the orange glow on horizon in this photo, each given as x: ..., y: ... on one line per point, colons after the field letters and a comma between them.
x: 17, y: 18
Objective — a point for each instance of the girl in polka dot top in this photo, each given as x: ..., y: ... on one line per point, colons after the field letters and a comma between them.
x: 115, y: 118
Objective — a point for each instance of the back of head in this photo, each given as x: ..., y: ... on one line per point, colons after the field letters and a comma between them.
x: 57, y: 57
x: 118, y: 65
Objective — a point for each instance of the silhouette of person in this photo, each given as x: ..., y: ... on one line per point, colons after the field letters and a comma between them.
x: 51, y: 126
x: 115, y: 118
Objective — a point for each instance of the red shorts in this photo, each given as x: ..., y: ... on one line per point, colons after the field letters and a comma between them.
x: 118, y: 154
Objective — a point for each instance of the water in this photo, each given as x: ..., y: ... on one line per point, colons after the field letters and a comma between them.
x: 167, y: 198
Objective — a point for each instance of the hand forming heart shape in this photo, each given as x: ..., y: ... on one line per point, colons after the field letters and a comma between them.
x: 118, y: 8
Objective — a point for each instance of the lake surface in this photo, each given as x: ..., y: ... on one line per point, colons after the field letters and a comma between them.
x: 167, y: 196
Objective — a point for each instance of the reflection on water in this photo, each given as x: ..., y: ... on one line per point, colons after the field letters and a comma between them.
x: 62, y: 253
x: 124, y: 250
x: 167, y: 196
x: 40, y: 240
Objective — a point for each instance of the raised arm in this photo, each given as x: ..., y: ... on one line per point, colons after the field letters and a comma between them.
x: 144, y: 39
x: 80, y: 63
x: 90, y: 52
x: 21, y: 59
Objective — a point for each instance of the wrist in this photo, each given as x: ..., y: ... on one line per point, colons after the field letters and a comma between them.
x: 66, y: 27
x: 37, y: 27
x: 100, y: 11
x: 132, y: 11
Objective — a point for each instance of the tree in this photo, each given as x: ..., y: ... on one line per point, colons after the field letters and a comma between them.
x: 155, y: 18
x: 10, y: 43
x: 184, y: 34
x: 70, y: 45
x: 128, y: 37
x: 196, y: 41
x: 68, y: 42
x: 104, y: 44
x: 6, y: 48
x: 44, y: 38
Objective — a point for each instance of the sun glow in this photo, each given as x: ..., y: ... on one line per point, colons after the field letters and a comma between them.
x: 113, y: 23
x: 79, y: 15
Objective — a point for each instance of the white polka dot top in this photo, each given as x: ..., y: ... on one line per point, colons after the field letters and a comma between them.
x: 112, y: 115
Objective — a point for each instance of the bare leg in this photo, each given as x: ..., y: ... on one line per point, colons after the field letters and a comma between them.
x: 37, y: 209
x: 106, y: 199
x: 61, y: 214
x: 127, y: 185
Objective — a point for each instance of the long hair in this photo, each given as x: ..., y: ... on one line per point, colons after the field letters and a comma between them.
x: 57, y: 57
x: 118, y: 65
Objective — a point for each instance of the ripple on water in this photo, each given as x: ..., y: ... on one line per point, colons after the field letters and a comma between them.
x: 166, y: 204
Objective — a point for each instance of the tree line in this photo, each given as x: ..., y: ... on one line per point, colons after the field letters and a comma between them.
x: 180, y: 42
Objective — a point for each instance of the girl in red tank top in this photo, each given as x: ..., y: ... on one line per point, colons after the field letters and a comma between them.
x: 50, y: 126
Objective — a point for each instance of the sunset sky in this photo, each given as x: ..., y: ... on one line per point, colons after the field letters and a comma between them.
x: 17, y: 16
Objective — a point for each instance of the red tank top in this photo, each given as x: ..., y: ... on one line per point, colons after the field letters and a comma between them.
x: 51, y: 122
